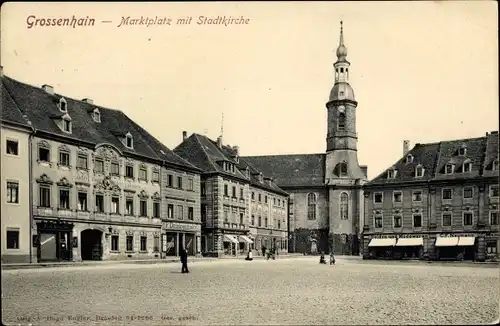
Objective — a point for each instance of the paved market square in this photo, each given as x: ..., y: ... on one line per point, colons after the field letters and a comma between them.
x: 227, y: 292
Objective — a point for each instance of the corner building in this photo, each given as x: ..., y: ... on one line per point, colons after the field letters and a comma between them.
x: 326, y: 195
x: 227, y: 203
x: 439, y: 201
x: 95, y: 179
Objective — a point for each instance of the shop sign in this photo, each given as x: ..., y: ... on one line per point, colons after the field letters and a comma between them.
x: 451, y: 235
x: 182, y: 226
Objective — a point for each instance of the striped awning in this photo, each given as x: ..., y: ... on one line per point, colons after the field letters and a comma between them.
x: 386, y: 242
x: 446, y: 241
x: 244, y: 238
x: 466, y: 241
x: 408, y: 242
x: 230, y: 238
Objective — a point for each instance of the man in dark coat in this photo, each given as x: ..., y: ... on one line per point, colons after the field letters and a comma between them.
x: 184, y: 260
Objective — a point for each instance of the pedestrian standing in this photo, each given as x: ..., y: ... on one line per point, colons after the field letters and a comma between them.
x: 184, y: 260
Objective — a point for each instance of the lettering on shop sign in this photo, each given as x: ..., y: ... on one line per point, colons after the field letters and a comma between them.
x: 182, y: 226
x: 451, y: 235
x: 392, y: 236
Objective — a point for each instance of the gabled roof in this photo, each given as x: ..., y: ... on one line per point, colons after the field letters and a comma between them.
x: 10, y: 113
x: 434, y: 157
x: 296, y: 170
x: 266, y: 183
x: 41, y: 107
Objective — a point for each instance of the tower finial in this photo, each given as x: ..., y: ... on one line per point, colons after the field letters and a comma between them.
x: 341, y: 50
x: 341, y: 32
x: 222, y: 125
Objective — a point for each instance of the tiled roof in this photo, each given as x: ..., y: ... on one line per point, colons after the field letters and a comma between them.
x: 206, y: 155
x: 41, y: 107
x: 10, y: 113
x: 294, y: 170
x: 434, y: 157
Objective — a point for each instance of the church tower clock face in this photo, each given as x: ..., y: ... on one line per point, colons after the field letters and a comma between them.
x: 341, y: 109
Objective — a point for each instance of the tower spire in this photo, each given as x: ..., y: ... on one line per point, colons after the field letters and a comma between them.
x: 341, y: 33
x: 341, y: 50
x: 222, y: 125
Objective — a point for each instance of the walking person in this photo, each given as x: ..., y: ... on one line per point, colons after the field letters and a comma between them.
x: 263, y: 250
x: 249, y: 255
x: 184, y: 260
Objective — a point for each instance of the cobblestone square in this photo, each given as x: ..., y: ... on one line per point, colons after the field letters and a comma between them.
x: 287, y: 291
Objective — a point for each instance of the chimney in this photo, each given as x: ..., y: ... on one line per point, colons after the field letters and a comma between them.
x: 219, y: 141
x: 88, y: 100
x: 184, y: 135
x: 236, y: 149
x: 406, y: 147
x: 1, y: 71
x: 49, y: 89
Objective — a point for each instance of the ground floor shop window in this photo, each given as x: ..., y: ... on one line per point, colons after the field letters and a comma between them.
x: 190, y: 244
x: 12, y: 239
x: 114, y: 243
x: 144, y: 242
x: 156, y: 243
x: 171, y: 246
x: 491, y: 248
x: 130, y: 242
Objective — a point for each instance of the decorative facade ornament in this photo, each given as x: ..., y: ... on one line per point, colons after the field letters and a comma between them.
x: 447, y: 208
x: 115, y: 189
x: 156, y: 195
x: 143, y: 194
x: 44, y: 144
x: 129, y: 161
x: 83, y: 150
x: 156, y: 234
x: 107, y: 152
x: 143, y: 234
x: 115, y: 231
x: 44, y: 179
x: 143, y: 166
x: 156, y: 169
x: 64, y: 183
x: 64, y: 148
x: 415, y: 210
x: 130, y: 233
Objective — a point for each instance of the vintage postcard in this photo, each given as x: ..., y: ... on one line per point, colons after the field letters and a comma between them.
x: 301, y: 163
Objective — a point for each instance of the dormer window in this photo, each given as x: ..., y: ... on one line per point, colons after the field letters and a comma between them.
x: 63, y: 105
x: 129, y: 140
x: 409, y: 158
x: 419, y: 171
x: 66, y: 123
x: 448, y: 169
x: 494, y: 167
x: 391, y: 174
x: 462, y: 151
x: 261, y: 177
x: 467, y: 167
x: 96, y: 115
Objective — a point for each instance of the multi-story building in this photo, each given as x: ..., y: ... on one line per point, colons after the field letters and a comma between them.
x: 226, y: 184
x: 96, y: 178
x: 440, y: 200
x: 326, y: 195
x: 15, y: 176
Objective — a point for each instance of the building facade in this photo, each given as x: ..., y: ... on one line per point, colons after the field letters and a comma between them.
x: 95, y: 179
x: 15, y: 176
x: 226, y: 186
x: 326, y: 195
x: 439, y: 201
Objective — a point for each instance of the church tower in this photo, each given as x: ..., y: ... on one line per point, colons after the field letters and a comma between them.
x: 343, y: 175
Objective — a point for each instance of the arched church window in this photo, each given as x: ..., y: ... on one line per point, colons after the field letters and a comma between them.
x: 344, y: 206
x: 311, y: 206
x: 343, y: 169
x: 341, y: 121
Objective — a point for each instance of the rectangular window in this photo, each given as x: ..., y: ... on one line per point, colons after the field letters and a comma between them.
x: 129, y: 171
x: 12, y: 147
x: 417, y: 196
x: 265, y: 199
x: 253, y: 219
x: 143, y: 174
x: 115, y: 205
x: 82, y: 162
x: 241, y: 218
x: 226, y: 191
x: 260, y: 198
x: 260, y: 221
x: 467, y: 218
x: 170, y: 180
x: 12, y: 239
x: 114, y: 243
x: 493, y: 217
x: 64, y: 198
x: 279, y: 224
x: 448, y: 169
x: 226, y: 215
x: 129, y: 206
x: 170, y: 211
x: 115, y: 168
x: 99, y: 165
x: 67, y: 125
x: 43, y: 154
x: 156, y: 209
x: 144, y: 242
x: 494, y: 191
x: 190, y: 213
x: 203, y: 213
x: 143, y: 208
x: 397, y: 221
x: 203, y: 189
x: 378, y: 221
x: 12, y: 192
x: 446, y: 219
x: 179, y: 182
x: 468, y: 193
x: 491, y: 248
x: 397, y: 196
x: 417, y: 221
x: 180, y: 212
x: 44, y: 192
x: 446, y: 194
x: 99, y: 203
x: 234, y: 192
x: 253, y: 195
x: 156, y: 243
x: 190, y: 184
x: 378, y: 197
x: 64, y: 159
x: 156, y: 176
x: 241, y: 193
x: 130, y: 242
x: 82, y: 201
x: 265, y: 222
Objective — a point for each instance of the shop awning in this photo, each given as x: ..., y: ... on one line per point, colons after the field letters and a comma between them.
x: 466, y: 241
x: 230, y: 238
x: 244, y: 238
x: 446, y: 241
x: 407, y: 242
x: 387, y: 242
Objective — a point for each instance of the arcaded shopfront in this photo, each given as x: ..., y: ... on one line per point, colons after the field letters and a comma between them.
x: 181, y: 235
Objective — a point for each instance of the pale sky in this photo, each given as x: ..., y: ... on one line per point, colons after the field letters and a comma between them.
x: 422, y: 71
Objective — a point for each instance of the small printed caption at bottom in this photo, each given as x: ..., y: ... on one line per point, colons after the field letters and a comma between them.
x: 104, y: 318
x: 188, y: 20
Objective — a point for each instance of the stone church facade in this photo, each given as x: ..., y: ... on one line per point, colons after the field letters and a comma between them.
x: 326, y: 197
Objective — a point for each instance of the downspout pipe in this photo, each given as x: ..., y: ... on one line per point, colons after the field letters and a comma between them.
x: 30, y: 173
